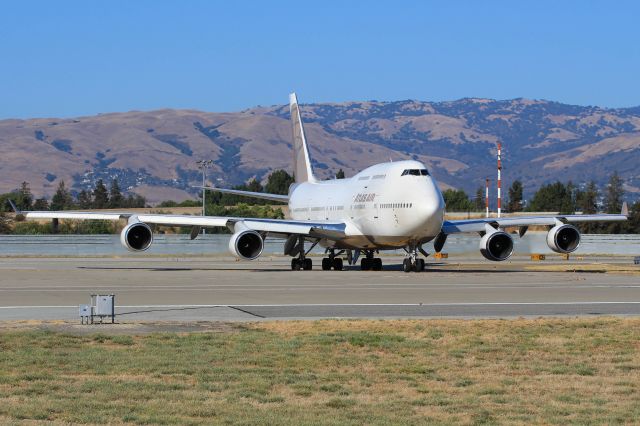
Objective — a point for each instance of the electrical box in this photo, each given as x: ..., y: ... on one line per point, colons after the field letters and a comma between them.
x: 85, y: 313
x: 103, y: 306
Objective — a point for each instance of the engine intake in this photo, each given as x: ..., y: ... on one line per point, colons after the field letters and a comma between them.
x: 496, y: 246
x: 136, y: 236
x: 563, y: 238
x: 246, y: 245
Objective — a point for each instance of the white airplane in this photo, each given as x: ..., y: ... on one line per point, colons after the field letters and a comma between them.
x: 386, y: 206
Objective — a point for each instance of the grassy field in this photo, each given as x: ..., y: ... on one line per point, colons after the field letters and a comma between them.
x: 574, y: 371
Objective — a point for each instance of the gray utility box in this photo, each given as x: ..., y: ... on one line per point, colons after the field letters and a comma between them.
x: 636, y: 260
x: 104, y: 306
x: 85, y: 313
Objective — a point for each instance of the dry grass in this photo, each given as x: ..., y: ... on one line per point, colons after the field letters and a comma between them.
x: 546, y: 371
x: 590, y: 268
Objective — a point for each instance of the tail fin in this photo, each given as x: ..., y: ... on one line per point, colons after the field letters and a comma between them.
x: 301, y: 162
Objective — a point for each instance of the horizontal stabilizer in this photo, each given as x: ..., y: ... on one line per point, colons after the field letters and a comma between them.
x: 262, y: 195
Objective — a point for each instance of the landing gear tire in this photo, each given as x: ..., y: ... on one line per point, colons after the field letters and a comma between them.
x: 295, y: 264
x: 377, y: 264
x: 419, y: 265
x: 337, y: 264
x: 307, y: 264
x: 406, y: 265
x: 365, y: 264
x: 327, y: 263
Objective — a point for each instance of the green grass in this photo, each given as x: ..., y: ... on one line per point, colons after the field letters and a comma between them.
x: 549, y: 371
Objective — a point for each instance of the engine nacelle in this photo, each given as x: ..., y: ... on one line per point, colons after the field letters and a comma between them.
x: 136, y: 236
x: 496, y: 246
x: 563, y: 238
x: 246, y: 244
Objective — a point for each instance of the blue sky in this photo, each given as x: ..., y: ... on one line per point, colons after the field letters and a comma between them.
x: 69, y: 58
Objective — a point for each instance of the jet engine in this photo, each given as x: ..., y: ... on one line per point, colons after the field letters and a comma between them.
x: 496, y: 246
x: 136, y: 236
x: 246, y: 244
x: 563, y: 238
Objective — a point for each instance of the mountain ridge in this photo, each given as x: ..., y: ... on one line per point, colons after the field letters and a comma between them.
x: 154, y: 152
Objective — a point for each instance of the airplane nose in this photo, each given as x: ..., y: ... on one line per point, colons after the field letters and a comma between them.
x: 432, y: 207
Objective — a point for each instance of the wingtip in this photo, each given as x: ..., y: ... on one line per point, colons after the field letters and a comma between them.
x: 293, y: 99
x: 625, y: 209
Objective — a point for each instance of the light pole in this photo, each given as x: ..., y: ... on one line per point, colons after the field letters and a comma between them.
x: 203, y: 164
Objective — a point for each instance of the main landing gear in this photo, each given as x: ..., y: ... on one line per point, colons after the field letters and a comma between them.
x: 333, y: 261
x: 412, y: 262
x: 302, y: 262
x: 370, y: 263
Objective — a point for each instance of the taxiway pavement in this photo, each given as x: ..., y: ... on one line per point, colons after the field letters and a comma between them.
x: 221, y: 289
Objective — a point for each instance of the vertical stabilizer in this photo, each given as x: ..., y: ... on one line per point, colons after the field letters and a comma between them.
x: 301, y: 162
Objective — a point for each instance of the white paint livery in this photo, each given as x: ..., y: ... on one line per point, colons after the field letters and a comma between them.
x: 386, y: 206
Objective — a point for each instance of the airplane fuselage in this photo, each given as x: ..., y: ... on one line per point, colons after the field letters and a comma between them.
x: 388, y: 205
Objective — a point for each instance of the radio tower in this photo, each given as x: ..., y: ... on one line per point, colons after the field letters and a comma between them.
x: 499, y: 178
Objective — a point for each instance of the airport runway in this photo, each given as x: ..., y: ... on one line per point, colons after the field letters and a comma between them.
x: 221, y: 289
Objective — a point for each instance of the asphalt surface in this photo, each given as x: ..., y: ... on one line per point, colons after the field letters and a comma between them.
x: 221, y: 289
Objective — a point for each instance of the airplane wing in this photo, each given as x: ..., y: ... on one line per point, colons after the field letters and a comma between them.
x: 479, y: 225
x: 276, y: 227
x: 489, y: 225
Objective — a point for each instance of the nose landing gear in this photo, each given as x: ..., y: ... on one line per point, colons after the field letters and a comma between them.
x: 412, y: 262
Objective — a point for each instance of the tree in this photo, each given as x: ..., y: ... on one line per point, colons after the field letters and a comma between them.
x: 554, y: 197
x: 84, y: 199
x: 5, y: 224
x: 254, y: 186
x: 478, y: 201
x: 61, y: 200
x: 116, y: 200
x: 278, y: 182
x: 614, y: 195
x: 100, y: 196
x: 514, y: 203
x: 41, y: 204
x: 633, y: 223
x: 138, y: 201
x: 457, y: 200
x: 340, y: 174
x: 587, y: 200
x: 25, y: 199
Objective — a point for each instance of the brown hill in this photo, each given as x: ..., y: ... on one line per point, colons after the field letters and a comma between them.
x: 154, y: 153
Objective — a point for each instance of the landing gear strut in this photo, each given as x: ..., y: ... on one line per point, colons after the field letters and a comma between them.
x: 370, y: 263
x: 412, y: 262
x: 333, y: 261
x: 302, y: 262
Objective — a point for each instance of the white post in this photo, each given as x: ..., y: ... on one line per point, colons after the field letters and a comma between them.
x: 499, y: 179
x: 203, y: 164
x: 486, y: 197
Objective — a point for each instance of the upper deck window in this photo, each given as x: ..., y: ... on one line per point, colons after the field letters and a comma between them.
x: 415, y: 172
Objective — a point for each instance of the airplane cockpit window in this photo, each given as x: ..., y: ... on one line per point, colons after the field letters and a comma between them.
x: 415, y: 172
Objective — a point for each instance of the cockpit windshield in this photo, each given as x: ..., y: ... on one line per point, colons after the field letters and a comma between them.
x: 415, y: 172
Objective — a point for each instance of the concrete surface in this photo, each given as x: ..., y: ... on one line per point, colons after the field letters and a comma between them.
x: 221, y: 289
